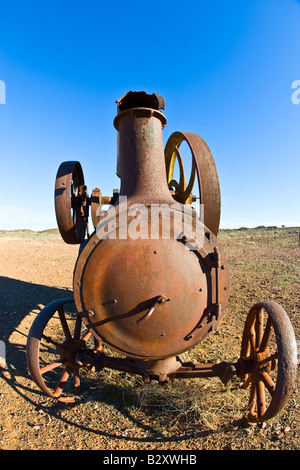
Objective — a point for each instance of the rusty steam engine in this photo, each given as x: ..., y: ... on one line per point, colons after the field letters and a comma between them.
x: 146, y: 296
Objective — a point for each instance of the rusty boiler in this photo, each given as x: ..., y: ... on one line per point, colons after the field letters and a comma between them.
x: 151, y: 280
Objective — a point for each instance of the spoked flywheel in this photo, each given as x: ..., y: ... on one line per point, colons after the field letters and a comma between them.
x: 54, y: 342
x: 71, y: 202
x: 203, y: 169
x: 268, y: 361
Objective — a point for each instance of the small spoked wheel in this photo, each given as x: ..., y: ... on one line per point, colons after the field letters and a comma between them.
x: 71, y: 202
x: 54, y: 340
x: 268, y: 361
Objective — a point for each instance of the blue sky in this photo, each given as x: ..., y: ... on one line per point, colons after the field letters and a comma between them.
x: 225, y: 70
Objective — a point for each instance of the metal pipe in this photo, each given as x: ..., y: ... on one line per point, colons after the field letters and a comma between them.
x: 141, y: 160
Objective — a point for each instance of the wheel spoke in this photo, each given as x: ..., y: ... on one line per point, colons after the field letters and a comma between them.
x: 76, y: 381
x: 246, y: 382
x: 259, y: 325
x: 190, y: 186
x: 51, y: 366
x: 64, y: 323
x: 184, y: 189
x: 270, y: 358
x: 266, y: 336
x: 86, y: 336
x: 97, y: 345
x: 261, y: 399
x: 268, y: 382
x: 182, y: 180
x: 252, y: 336
x: 252, y: 398
x: 62, y: 383
x: 77, y: 328
x: 48, y: 339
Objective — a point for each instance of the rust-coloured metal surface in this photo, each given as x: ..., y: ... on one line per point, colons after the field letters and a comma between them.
x: 70, y: 202
x: 268, y: 345
x: 141, y: 161
x: 119, y: 280
x: 152, y: 280
x: 66, y: 351
x: 203, y: 166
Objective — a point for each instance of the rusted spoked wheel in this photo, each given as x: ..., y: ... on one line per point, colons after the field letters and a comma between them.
x: 268, y: 360
x: 71, y: 205
x: 53, y: 342
x: 203, y: 168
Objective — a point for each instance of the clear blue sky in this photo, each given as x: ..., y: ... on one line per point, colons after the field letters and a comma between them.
x: 225, y: 69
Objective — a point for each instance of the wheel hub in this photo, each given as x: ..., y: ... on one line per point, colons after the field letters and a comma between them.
x: 69, y: 349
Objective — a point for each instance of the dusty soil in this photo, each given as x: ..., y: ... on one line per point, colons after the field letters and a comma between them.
x: 117, y: 411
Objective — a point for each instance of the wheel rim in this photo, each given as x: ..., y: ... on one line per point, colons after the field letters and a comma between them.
x: 204, y: 168
x: 269, y: 358
x: 53, y: 342
x: 71, y: 206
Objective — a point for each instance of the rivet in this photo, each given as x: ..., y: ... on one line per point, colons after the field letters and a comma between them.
x: 109, y: 302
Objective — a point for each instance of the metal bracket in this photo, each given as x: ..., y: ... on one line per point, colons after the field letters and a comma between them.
x: 214, y: 311
x: 217, y: 306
